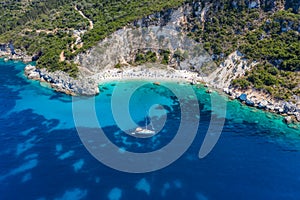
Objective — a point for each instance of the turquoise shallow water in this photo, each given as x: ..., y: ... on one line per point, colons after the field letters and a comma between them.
x: 42, y: 156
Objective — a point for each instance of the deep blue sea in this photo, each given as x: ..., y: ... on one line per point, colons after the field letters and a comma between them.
x: 43, y: 157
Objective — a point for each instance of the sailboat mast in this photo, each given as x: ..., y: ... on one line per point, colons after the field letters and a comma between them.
x: 146, y: 122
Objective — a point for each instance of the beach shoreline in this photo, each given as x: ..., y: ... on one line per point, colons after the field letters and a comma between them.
x: 88, y: 86
x: 151, y: 74
x: 61, y: 82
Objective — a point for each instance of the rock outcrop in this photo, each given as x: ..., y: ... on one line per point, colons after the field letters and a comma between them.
x: 263, y: 101
x: 62, y: 82
x: 17, y: 54
x: 235, y: 65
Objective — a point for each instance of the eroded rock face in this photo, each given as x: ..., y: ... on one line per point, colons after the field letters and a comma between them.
x: 234, y: 66
x: 162, y: 34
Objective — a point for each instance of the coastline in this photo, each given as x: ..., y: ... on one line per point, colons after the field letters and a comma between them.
x: 98, y: 65
x: 88, y: 85
x: 61, y: 82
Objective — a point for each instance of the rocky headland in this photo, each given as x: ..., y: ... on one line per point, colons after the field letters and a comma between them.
x: 62, y: 82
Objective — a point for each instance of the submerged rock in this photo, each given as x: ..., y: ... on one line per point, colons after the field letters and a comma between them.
x: 208, y: 91
x: 249, y: 102
x: 243, y: 97
x: 262, y: 105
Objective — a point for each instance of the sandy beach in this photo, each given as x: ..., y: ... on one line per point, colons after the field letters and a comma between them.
x: 151, y: 74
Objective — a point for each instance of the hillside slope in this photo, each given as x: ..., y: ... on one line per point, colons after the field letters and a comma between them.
x: 48, y: 28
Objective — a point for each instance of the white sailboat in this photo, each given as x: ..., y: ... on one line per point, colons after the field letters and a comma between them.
x: 143, y: 131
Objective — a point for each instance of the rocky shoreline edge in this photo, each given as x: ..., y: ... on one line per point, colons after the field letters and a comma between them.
x: 18, y: 55
x: 88, y: 85
x: 257, y: 99
x: 61, y: 82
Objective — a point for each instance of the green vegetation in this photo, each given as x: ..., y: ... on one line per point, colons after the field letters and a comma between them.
x: 275, y: 44
x: 118, y: 65
x: 279, y: 83
x: 224, y: 31
x: 144, y: 57
x: 181, y: 55
x: 47, y: 26
x: 270, y: 38
x: 165, y: 56
x: 276, y: 41
x: 261, y: 36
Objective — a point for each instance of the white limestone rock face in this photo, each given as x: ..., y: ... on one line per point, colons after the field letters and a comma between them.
x: 234, y: 66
